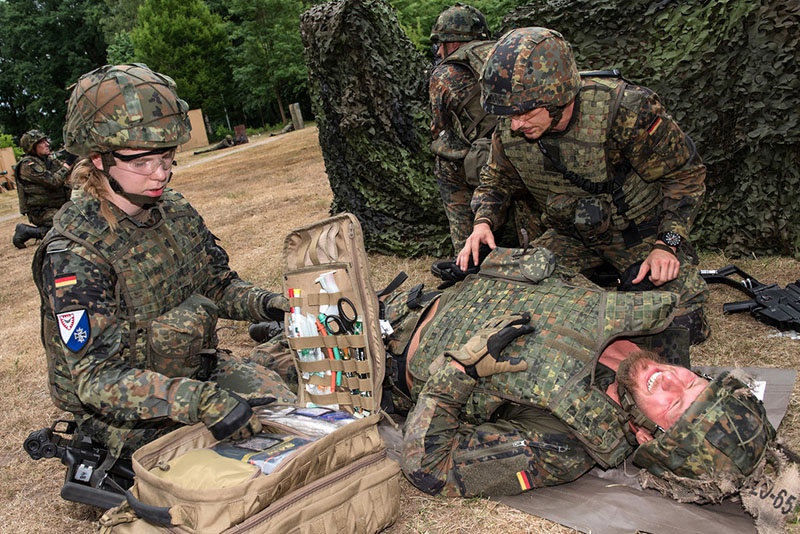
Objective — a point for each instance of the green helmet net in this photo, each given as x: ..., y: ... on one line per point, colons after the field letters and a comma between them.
x: 29, y: 140
x: 124, y: 106
x: 459, y: 23
x: 529, y: 68
x: 723, y: 435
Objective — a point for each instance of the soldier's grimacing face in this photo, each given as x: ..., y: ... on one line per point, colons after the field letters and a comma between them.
x: 663, y: 392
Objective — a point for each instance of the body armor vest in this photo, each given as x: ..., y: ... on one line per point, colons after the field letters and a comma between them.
x: 575, y: 321
x: 157, y: 267
x: 585, y: 148
x: 470, y: 120
x: 34, y: 195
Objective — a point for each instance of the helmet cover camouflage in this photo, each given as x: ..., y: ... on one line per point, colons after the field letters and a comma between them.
x: 459, y: 24
x: 723, y: 433
x: 124, y: 106
x: 529, y: 68
x: 30, y: 139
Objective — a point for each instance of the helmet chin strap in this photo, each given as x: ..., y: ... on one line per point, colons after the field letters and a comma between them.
x: 634, y: 413
x: 143, y: 201
x: 556, y: 113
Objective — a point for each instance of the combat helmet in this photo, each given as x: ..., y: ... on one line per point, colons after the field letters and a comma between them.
x: 529, y: 68
x: 459, y: 24
x: 124, y: 106
x: 30, y: 139
x: 721, y: 438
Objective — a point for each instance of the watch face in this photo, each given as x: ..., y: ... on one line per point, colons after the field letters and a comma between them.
x: 671, y: 238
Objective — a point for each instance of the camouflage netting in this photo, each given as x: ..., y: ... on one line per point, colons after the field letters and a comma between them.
x: 728, y: 72
x: 370, y: 98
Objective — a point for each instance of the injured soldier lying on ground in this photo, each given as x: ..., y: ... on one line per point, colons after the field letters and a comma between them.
x: 525, y: 375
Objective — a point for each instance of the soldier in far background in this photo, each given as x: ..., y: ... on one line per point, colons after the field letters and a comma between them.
x: 461, y: 128
x: 41, y: 185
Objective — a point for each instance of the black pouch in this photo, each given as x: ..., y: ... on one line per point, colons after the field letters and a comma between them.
x: 592, y: 220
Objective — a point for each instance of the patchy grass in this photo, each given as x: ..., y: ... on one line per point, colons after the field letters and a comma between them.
x: 251, y: 196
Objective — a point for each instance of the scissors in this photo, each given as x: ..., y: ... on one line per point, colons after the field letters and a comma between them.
x: 343, y: 323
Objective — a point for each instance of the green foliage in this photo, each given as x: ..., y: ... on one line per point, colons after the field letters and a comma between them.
x: 45, y: 45
x: 371, y: 105
x: 417, y: 17
x: 120, y: 50
x: 727, y: 71
x: 7, y: 141
x: 183, y: 39
x: 267, y: 59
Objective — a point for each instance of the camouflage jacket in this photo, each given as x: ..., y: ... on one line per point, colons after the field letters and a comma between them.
x: 575, y: 321
x: 123, y: 310
x: 455, y: 94
x: 41, y: 183
x: 615, y: 127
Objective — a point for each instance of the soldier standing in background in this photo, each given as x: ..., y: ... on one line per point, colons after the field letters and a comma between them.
x: 461, y: 128
x: 616, y: 178
x: 41, y: 186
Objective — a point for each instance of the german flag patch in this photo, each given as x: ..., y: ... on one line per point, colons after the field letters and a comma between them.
x: 654, y: 126
x: 524, y: 480
x: 65, y: 280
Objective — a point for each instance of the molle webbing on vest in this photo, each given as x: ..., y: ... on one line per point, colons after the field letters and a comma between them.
x: 576, y: 322
x: 157, y: 266
x: 472, y: 121
x: 586, y: 150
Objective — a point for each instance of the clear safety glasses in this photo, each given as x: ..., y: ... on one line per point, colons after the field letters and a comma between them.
x: 146, y: 163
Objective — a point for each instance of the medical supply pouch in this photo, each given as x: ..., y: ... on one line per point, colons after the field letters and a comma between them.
x: 339, y: 482
x: 334, y: 328
x: 326, y: 475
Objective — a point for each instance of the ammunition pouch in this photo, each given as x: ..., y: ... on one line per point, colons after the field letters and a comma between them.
x: 592, y: 220
x: 448, y: 147
x: 476, y: 159
x: 183, y: 340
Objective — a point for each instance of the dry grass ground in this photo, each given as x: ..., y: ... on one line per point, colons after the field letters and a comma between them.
x: 251, y: 196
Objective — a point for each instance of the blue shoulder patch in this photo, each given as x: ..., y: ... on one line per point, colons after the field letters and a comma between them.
x: 74, y: 329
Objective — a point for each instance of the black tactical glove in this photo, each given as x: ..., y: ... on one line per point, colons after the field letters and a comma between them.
x: 630, y: 274
x: 491, y: 339
x: 227, y: 415
x: 451, y: 273
x: 275, y: 305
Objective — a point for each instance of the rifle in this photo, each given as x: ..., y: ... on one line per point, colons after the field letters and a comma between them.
x: 82, y: 457
x: 768, y: 303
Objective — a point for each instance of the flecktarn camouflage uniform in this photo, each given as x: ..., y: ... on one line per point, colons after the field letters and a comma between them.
x: 509, y: 432
x: 459, y: 121
x: 129, y: 318
x: 41, y: 183
x: 619, y: 134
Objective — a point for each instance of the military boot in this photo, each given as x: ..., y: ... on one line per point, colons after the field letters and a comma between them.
x: 24, y: 232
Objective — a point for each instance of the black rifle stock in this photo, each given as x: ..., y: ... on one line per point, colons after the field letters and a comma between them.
x: 769, y: 303
x: 82, y: 457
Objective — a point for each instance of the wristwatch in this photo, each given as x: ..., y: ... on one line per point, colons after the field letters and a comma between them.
x: 670, y: 238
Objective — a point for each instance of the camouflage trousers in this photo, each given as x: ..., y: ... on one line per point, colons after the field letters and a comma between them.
x: 692, y: 290
x: 247, y: 379
x: 521, y: 448
x: 42, y: 216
